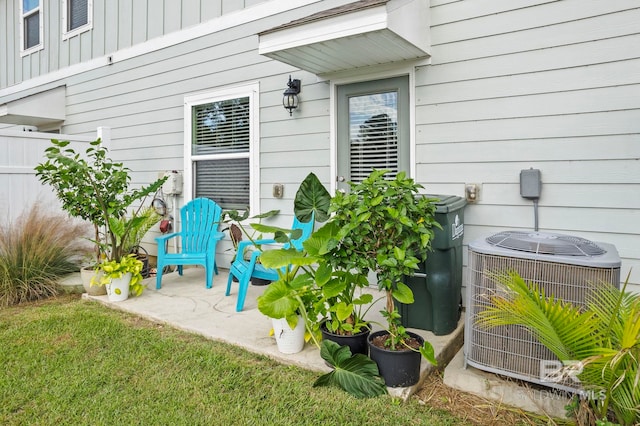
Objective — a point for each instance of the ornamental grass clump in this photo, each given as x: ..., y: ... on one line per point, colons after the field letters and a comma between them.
x: 35, y: 252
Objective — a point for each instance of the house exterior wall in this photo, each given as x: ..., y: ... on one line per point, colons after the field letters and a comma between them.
x: 543, y: 84
x: 511, y: 84
x: 117, y: 25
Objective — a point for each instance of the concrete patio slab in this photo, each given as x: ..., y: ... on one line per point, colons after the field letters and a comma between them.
x: 185, y: 303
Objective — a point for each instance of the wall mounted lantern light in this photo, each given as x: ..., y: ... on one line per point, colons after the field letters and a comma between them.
x: 290, y: 96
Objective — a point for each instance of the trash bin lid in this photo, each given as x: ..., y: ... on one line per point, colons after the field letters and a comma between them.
x: 447, y: 203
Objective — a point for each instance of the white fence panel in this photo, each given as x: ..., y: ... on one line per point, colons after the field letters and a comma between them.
x: 20, y: 152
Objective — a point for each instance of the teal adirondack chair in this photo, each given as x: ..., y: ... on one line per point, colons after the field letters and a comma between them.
x: 244, y: 270
x: 198, y: 239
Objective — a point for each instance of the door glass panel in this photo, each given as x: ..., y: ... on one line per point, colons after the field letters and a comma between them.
x: 372, y: 131
x: 373, y: 134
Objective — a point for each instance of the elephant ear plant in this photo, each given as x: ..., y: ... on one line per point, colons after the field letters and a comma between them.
x: 386, y: 227
x: 306, y: 282
x: 94, y: 188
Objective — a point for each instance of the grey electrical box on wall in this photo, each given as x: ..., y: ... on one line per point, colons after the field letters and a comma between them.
x: 530, y: 183
x: 173, y: 184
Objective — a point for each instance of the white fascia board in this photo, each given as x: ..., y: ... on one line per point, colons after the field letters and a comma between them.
x: 254, y: 13
x: 347, y: 25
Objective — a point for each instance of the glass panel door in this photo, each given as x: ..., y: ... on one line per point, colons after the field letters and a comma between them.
x: 373, y: 129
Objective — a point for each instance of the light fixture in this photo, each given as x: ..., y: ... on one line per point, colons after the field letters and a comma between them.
x: 290, y: 96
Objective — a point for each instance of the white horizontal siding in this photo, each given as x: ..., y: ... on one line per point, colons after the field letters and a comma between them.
x: 552, y: 85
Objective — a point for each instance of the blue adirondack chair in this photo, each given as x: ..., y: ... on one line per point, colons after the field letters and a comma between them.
x: 244, y: 270
x: 198, y: 238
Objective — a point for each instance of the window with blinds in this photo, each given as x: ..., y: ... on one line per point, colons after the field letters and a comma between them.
x: 77, y: 11
x: 31, y: 24
x: 220, y: 149
x: 373, y: 134
x: 77, y: 16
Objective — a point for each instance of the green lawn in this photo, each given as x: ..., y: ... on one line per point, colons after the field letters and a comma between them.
x: 73, y: 362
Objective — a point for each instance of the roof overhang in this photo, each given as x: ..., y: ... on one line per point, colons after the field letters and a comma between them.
x: 42, y: 109
x: 359, y: 34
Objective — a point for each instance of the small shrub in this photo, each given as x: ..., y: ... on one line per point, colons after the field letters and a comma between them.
x: 37, y: 250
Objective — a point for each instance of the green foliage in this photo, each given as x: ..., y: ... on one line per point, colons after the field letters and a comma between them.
x: 35, y: 252
x: 300, y: 273
x: 604, y: 337
x: 97, y: 189
x: 235, y: 220
x: 312, y: 199
x: 385, y: 226
x: 356, y: 374
x: 117, y: 268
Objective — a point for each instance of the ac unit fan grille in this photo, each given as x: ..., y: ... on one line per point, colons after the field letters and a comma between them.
x: 545, y: 243
x: 512, y: 350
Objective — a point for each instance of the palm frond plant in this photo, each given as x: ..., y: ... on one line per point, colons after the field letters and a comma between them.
x: 603, y: 337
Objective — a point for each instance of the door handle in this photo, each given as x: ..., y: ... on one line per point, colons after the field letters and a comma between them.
x: 340, y: 179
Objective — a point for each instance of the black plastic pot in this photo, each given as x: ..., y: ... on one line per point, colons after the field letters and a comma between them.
x: 260, y: 281
x: 397, y: 368
x: 357, y: 342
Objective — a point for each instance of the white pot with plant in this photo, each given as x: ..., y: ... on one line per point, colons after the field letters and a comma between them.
x: 96, y: 189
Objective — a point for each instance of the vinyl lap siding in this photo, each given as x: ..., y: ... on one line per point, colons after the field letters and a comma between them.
x: 141, y: 100
x: 553, y: 85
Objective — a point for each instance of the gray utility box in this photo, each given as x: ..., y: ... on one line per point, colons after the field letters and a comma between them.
x: 437, y: 285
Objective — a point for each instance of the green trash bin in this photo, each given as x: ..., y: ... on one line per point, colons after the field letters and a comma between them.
x: 437, y: 285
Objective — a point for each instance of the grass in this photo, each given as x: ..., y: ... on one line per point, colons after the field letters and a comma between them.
x: 69, y: 361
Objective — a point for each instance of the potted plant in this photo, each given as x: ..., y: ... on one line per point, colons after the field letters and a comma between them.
x: 386, y: 227
x: 291, y: 297
x: 95, y: 188
x: 237, y: 229
x: 301, y: 295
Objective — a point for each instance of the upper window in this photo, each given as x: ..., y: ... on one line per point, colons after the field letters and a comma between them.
x: 30, y: 26
x: 76, y: 17
x: 220, y: 138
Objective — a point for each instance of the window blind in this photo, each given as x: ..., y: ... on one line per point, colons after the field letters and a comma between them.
x: 224, y: 181
x: 78, y: 13
x: 221, y: 127
x: 373, y: 135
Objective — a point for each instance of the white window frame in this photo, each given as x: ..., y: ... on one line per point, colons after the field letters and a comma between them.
x: 253, y: 92
x: 23, y: 15
x: 66, y: 34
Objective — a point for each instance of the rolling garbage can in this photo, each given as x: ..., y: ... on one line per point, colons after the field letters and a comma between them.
x: 437, y: 285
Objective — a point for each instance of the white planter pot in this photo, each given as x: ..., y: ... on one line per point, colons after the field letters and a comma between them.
x: 289, y: 341
x: 118, y: 289
x: 92, y: 290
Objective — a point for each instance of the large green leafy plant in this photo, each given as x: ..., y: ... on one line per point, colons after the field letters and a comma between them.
x: 386, y: 227
x: 95, y: 188
x: 310, y: 288
x: 604, y: 338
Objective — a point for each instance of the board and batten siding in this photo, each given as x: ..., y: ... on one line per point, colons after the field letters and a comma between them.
x: 117, y: 24
x: 553, y: 85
